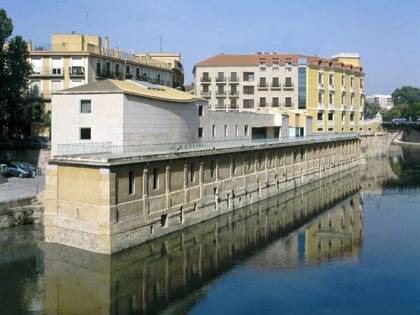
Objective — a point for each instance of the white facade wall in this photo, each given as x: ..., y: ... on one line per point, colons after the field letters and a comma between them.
x: 105, y: 119
x: 149, y: 121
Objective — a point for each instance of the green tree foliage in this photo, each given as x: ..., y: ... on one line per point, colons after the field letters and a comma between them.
x: 406, y: 95
x: 406, y: 104
x: 370, y: 110
x: 15, y: 116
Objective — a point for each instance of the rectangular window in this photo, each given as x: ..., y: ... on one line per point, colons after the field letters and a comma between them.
x: 275, y: 102
x: 192, y: 172
x: 288, y: 102
x: 320, y: 117
x: 237, y: 130
x: 233, y: 77
x: 212, y: 168
x: 246, y: 130
x: 249, y: 104
x: 320, y: 77
x: 85, y: 106
x: 330, y: 116
x: 131, y: 183
x: 226, y: 130
x: 213, y: 131
x: 200, y: 132
x: 249, y: 76
x: 85, y: 134
x: 155, y: 178
x: 262, y: 102
x: 275, y: 83
x: 288, y: 82
x: 220, y: 76
x: 343, y: 80
x: 200, y: 110
x: 248, y: 90
x: 331, y: 99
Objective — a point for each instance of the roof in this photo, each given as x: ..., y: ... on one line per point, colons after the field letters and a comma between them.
x: 236, y: 60
x: 132, y: 87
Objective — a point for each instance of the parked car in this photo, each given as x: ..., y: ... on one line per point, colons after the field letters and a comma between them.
x: 7, y: 144
x: 21, y: 169
x: 4, y: 172
x: 39, y: 142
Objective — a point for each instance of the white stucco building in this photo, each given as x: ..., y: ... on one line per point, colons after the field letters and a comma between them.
x: 129, y: 114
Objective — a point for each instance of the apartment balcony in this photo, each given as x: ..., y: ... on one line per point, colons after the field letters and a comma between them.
x: 263, y: 86
x: 321, y: 106
x: 220, y: 80
x: 220, y: 107
x: 343, y: 89
x: 351, y: 89
x: 233, y: 107
x: 75, y: 72
x: 289, y: 105
x: 221, y: 94
x: 47, y: 72
x: 331, y: 87
x: 362, y: 90
x: 275, y: 86
x: 205, y: 80
x: 331, y: 106
x: 206, y: 94
x: 263, y: 104
x: 288, y: 86
x: 320, y: 86
x: 105, y: 73
x: 233, y: 94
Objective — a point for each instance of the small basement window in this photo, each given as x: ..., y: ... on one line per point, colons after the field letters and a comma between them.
x: 85, y: 134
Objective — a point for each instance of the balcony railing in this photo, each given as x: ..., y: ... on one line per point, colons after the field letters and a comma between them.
x: 233, y: 80
x: 47, y: 72
x: 262, y: 86
x: 205, y: 80
x: 233, y: 94
x: 276, y: 86
x: 221, y: 94
x: 76, y: 71
x: 206, y: 94
x: 220, y: 80
x: 288, y: 86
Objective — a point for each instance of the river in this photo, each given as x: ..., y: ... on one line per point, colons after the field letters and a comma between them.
x: 347, y: 245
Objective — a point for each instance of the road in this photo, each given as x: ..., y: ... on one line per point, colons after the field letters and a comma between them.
x: 18, y: 188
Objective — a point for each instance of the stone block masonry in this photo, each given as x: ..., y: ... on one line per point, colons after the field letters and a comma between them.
x: 105, y: 204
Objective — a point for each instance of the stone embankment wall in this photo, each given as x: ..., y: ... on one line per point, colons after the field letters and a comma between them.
x: 375, y: 144
x: 19, y: 212
x: 107, y: 205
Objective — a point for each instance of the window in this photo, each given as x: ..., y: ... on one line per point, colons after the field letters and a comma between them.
x: 351, y: 81
x: 249, y: 104
x: 56, y: 85
x: 200, y: 110
x: 263, y: 82
x: 320, y: 99
x: 288, y: 102
x: 288, y: 82
x: 343, y: 80
x: 220, y: 76
x: 320, y: 117
x: 237, y: 130
x: 249, y: 76
x: 320, y: 77
x: 330, y: 116
x: 213, y: 131
x: 233, y: 77
x: 200, y: 132
x: 155, y: 178
x: 275, y: 102
x: 226, y: 130
x: 192, y: 172
x: 331, y: 79
x: 343, y: 99
x: 85, y: 134
x: 246, y: 130
x: 275, y: 66
x: 331, y: 99
x: 262, y: 102
x: 131, y: 183
x: 212, y: 168
x: 233, y: 104
x: 275, y: 83
x: 248, y: 90
x: 85, y: 106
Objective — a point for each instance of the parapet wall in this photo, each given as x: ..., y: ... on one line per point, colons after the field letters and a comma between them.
x: 107, y: 205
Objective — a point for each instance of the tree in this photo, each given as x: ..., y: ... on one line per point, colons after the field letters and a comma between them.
x: 14, y: 72
x: 406, y: 95
x: 370, y: 110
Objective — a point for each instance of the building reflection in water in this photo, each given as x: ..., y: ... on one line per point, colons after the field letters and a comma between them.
x: 171, y: 273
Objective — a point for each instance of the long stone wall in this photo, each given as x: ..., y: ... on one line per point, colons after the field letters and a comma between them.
x: 107, y: 205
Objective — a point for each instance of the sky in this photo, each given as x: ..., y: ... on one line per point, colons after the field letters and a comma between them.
x: 386, y: 33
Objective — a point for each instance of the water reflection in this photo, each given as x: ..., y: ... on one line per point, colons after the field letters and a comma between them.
x: 171, y: 273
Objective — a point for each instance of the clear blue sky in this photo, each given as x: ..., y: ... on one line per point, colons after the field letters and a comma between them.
x: 386, y: 33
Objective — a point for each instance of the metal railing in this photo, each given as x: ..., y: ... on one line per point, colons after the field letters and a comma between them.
x: 80, y: 149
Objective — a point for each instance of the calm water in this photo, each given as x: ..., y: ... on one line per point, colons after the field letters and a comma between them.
x: 347, y: 245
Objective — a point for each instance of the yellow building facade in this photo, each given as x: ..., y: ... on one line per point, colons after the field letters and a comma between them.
x: 77, y: 59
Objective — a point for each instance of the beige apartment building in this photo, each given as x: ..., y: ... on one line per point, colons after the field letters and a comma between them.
x: 76, y: 59
x: 318, y: 94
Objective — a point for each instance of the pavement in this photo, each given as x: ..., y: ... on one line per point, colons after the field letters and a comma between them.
x: 19, y: 188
